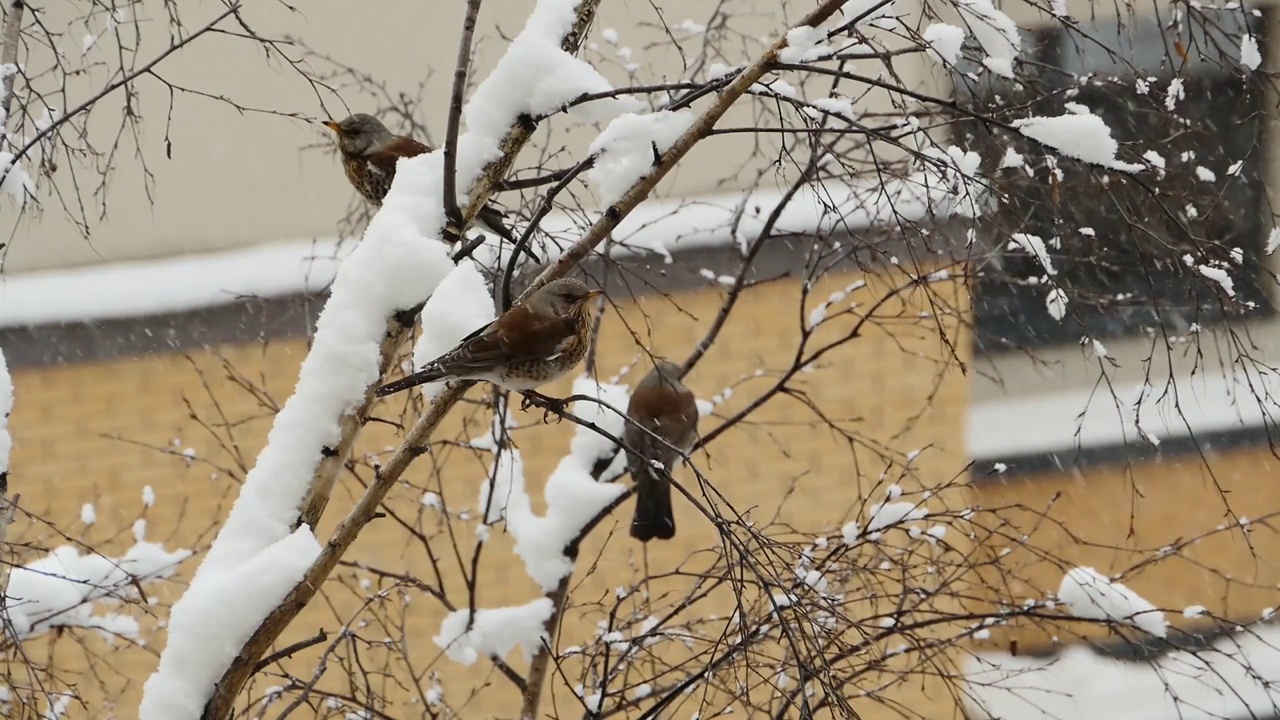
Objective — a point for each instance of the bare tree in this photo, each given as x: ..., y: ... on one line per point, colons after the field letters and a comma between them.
x: 919, y: 212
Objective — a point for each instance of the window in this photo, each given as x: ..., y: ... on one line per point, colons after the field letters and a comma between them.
x: 1120, y: 252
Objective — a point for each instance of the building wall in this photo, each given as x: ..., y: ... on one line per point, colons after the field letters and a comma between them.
x: 99, y: 431
x: 223, y: 178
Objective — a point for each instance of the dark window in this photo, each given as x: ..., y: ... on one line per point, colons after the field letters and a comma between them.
x: 1119, y: 248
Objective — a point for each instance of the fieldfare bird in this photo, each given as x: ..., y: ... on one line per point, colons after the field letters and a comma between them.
x: 533, y: 343
x: 662, y: 405
x: 369, y: 155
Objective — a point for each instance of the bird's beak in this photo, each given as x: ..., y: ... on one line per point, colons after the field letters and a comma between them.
x: 593, y: 294
x: 333, y: 126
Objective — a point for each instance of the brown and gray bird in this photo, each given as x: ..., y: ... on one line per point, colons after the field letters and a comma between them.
x: 533, y: 343
x: 369, y: 155
x: 662, y: 405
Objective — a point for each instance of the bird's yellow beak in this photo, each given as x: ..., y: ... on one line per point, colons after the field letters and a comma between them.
x: 593, y: 294
x: 333, y: 126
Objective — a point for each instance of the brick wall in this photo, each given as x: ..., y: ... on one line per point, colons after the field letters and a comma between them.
x: 100, y: 431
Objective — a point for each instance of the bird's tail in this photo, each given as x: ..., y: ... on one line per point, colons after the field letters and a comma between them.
x: 492, y: 217
x: 653, y: 517
x: 431, y: 373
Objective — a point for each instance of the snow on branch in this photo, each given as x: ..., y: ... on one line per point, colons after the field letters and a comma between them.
x: 995, y: 32
x: 1079, y: 134
x: 398, y: 265
x: 1091, y: 595
x: 58, y: 589
x: 495, y: 632
x: 461, y: 303
x: 573, y: 496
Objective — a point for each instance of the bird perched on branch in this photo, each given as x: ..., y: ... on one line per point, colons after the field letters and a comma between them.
x: 533, y: 343
x: 663, y: 406
x: 369, y: 155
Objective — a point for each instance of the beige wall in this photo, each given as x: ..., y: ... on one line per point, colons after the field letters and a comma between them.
x: 238, y: 179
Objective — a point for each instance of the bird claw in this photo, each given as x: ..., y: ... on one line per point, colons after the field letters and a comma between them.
x: 549, y: 405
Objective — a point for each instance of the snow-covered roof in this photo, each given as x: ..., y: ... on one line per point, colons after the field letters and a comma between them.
x: 187, y: 282
x: 1238, y: 676
x: 1144, y: 415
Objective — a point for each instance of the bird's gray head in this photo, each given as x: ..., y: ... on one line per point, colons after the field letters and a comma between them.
x: 664, y: 372
x: 564, y: 297
x: 359, y: 133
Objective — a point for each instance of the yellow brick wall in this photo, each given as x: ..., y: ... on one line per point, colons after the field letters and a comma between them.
x: 1118, y: 518
x: 81, y: 434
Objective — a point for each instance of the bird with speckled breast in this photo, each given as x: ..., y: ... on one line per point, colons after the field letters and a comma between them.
x: 535, y: 342
x: 369, y: 155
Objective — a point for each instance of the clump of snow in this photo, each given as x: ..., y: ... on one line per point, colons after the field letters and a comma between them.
x: 460, y: 305
x: 715, y: 71
x: 1035, y: 247
x: 841, y: 107
x: 805, y: 44
x: 573, y: 498
x: 1011, y: 159
x: 495, y: 631
x: 690, y: 26
x: 16, y: 183
x: 1220, y: 276
x: 58, y: 589
x: 1056, y: 301
x: 945, y: 42
x: 1205, y: 174
x: 955, y: 171
x: 1175, y: 92
x: 148, y: 496
x: 889, y: 514
x: 1249, y: 55
x: 536, y: 77
x: 995, y: 32
x: 1192, y: 612
x: 212, y: 621
x: 1082, y: 136
x: 625, y: 150
x: 1091, y: 595
x: 88, y: 515
x: 1273, y: 240
x: 590, y: 446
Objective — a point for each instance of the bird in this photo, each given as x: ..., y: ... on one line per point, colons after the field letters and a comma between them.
x: 663, y: 406
x: 536, y: 341
x: 369, y: 155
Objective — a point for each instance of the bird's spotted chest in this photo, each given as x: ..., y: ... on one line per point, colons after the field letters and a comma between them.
x: 528, y: 374
x: 369, y: 180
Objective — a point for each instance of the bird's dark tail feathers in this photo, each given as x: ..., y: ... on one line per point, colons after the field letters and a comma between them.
x: 492, y: 217
x: 431, y: 373
x: 653, y: 517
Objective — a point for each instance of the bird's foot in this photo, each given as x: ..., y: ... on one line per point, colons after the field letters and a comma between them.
x: 549, y: 405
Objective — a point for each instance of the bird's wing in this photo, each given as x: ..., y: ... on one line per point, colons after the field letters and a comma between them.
x: 518, y: 335
x: 384, y: 157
